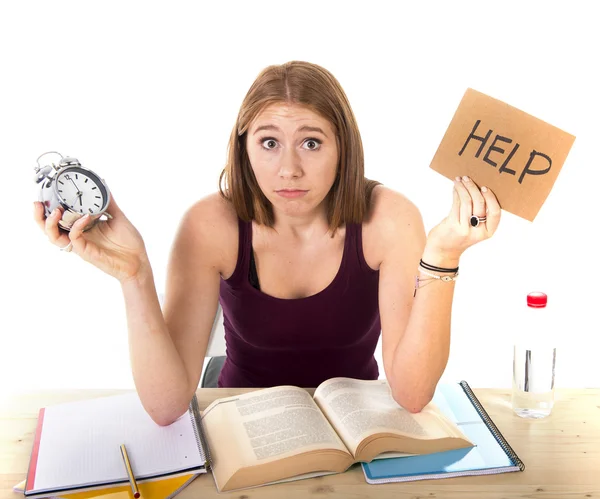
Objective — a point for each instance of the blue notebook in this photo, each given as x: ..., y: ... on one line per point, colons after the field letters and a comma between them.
x: 491, y: 454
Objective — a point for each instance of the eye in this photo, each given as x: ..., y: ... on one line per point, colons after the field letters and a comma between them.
x: 270, y: 141
x: 315, y: 144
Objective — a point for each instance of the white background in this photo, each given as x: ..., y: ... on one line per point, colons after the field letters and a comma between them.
x: 147, y: 93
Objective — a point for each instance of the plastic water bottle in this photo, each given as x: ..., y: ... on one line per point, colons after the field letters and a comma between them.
x: 534, y: 362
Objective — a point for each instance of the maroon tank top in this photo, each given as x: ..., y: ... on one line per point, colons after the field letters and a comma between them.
x: 274, y: 341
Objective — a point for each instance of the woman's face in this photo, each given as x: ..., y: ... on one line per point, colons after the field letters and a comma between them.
x: 294, y: 155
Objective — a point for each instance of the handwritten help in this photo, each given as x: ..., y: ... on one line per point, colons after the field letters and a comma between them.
x: 537, y: 164
x: 515, y: 154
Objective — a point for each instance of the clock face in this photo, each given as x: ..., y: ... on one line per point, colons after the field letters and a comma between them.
x: 81, y: 190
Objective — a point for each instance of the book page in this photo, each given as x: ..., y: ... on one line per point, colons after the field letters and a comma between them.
x: 360, y: 408
x: 389, y: 455
x: 264, y: 426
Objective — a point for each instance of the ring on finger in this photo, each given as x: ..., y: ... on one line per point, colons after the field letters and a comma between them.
x: 475, y: 220
x: 68, y: 247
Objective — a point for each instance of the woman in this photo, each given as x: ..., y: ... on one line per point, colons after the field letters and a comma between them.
x: 310, y: 260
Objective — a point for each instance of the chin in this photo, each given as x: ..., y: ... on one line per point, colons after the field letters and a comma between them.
x: 296, y: 207
x: 293, y: 207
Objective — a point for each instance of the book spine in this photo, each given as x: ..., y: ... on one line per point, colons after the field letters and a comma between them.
x: 199, y: 430
x: 491, y: 426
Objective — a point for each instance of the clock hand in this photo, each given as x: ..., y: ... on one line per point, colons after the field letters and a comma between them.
x: 78, y: 195
x: 71, y: 179
x: 74, y: 200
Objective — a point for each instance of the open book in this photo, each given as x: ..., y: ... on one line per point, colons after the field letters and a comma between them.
x: 283, y: 433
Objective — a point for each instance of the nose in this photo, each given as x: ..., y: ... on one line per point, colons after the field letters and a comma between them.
x: 290, y: 165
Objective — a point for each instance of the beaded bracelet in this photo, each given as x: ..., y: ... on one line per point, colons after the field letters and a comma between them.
x: 445, y: 278
x: 432, y: 278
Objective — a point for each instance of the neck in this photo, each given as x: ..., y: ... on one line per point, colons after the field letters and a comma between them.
x: 302, y: 227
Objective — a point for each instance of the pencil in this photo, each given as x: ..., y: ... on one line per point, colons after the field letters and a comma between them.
x: 132, y: 482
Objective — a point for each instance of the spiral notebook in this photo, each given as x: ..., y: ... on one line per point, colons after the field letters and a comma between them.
x: 77, y: 446
x: 161, y: 489
x: 492, y: 454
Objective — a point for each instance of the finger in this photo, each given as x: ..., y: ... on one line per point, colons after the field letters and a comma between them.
x: 466, y: 205
x: 493, y: 210
x: 52, y: 230
x: 39, y: 215
x: 477, y: 199
x: 454, y: 215
x: 76, y: 233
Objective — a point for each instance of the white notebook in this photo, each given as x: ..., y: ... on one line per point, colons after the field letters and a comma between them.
x: 77, y: 445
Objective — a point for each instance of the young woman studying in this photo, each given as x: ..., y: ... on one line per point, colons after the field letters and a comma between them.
x: 310, y: 260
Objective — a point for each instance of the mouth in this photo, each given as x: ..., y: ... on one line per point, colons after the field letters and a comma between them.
x: 291, y: 193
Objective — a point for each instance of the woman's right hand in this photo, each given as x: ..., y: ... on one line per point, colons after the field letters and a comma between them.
x: 114, y: 246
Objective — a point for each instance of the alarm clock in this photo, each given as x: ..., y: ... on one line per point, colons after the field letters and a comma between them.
x: 78, y: 190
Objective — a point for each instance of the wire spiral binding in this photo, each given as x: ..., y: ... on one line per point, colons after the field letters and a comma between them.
x: 491, y: 426
x: 199, y: 431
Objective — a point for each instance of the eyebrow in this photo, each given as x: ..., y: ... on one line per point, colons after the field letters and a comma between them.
x: 304, y: 128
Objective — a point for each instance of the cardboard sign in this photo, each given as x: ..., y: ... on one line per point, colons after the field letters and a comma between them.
x: 513, y: 153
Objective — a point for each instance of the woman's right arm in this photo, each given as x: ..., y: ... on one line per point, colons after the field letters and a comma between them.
x: 166, y: 351
x: 168, y: 347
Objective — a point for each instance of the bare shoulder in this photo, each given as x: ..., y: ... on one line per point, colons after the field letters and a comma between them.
x: 390, y: 206
x: 212, y: 211
x: 391, y: 219
x: 210, y: 227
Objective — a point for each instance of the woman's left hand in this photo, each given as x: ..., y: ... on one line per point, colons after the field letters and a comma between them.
x: 460, y: 229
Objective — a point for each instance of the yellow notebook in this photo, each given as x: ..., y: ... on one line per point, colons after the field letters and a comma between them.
x: 162, y: 489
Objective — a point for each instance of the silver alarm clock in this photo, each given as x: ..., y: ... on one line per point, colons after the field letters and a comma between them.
x: 78, y: 190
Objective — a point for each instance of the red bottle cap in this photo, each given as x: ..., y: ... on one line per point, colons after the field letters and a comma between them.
x: 537, y: 299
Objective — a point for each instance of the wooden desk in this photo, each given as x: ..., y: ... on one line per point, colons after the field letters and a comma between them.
x: 561, y: 453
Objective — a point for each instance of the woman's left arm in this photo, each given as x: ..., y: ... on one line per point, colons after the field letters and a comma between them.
x: 416, y: 327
